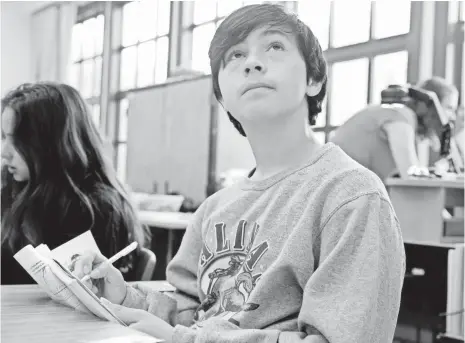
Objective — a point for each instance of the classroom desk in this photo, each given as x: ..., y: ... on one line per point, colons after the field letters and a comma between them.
x: 29, y: 315
x: 419, y: 204
x: 166, y: 220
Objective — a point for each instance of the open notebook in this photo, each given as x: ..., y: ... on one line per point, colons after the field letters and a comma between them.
x: 51, y: 269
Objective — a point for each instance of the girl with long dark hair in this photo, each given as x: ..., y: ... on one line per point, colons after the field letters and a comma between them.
x: 56, y: 181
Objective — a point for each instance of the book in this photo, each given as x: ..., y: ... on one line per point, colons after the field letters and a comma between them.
x: 52, y: 270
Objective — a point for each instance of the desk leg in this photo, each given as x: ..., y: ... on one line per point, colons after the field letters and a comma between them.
x: 169, y: 253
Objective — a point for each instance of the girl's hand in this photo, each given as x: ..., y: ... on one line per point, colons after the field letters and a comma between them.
x: 106, y: 281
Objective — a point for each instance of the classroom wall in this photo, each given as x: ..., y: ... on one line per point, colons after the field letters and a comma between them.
x: 16, y: 55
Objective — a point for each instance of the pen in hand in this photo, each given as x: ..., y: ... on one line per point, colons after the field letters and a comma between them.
x: 112, y: 259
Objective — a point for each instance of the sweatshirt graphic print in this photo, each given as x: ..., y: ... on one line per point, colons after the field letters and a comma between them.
x: 229, y: 271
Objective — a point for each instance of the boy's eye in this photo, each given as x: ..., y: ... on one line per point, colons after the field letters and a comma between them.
x: 234, y: 55
x: 276, y: 46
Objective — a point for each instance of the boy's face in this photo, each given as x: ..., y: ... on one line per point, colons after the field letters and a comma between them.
x: 264, y: 76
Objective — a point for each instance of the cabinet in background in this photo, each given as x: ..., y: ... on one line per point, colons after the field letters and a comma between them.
x: 168, y: 138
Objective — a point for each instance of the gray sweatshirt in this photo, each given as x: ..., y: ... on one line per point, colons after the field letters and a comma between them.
x: 311, y: 251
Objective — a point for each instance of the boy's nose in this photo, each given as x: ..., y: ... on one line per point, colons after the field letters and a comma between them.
x: 254, y: 64
x: 257, y: 68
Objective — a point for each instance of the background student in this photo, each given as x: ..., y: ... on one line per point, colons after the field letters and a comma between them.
x: 384, y: 138
x: 56, y: 181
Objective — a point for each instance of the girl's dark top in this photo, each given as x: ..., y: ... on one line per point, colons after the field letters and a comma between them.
x: 109, y: 238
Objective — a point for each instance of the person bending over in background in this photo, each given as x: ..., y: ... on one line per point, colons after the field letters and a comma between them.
x: 384, y: 138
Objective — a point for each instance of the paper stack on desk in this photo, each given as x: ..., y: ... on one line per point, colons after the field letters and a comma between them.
x: 52, y: 270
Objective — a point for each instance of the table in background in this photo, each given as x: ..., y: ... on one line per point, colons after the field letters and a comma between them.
x: 419, y: 204
x: 29, y: 315
x: 166, y: 220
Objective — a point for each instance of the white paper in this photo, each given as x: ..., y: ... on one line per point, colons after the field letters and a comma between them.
x: 67, y: 253
x: 58, y: 281
x: 44, y: 250
x: 40, y: 269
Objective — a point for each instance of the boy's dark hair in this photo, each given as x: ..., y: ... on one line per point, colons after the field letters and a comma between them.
x: 239, y: 24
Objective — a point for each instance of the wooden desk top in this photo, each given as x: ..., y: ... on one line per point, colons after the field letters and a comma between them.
x: 165, y: 220
x: 29, y: 315
x: 423, y: 182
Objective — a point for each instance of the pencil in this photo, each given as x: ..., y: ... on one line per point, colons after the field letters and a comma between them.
x: 113, y: 259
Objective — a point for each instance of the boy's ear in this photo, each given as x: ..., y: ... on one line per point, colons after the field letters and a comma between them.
x: 313, y: 88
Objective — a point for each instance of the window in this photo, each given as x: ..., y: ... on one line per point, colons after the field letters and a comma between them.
x: 462, y: 85
x: 321, y: 118
x: 316, y: 14
x: 388, y: 69
x: 201, y: 39
x: 455, y: 10
x: 357, y: 69
x: 455, y: 48
x: 86, y: 52
x: 348, y: 29
x: 349, y: 89
x: 121, y: 151
x: 139, y: 59
x: 450, y: 59
x: 319, y: 137
x: 144, y: 43
x: 390, y: 18
x: 226, y: 7
x: 207, y: 16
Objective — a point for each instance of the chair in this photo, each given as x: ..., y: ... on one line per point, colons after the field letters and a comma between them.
x: 146, y: 265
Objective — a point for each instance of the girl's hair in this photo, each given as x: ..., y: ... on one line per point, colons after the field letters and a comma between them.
x: 238, y: 25
x: 442, y: 89
x: 55, y: 135
x: 440, y: 86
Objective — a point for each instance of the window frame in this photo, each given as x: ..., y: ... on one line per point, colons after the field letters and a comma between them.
x: 115, y: 94
x: 370, y: 49
x: 86, y: 12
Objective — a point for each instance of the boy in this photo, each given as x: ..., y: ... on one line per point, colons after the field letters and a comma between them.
x: 308, y: 247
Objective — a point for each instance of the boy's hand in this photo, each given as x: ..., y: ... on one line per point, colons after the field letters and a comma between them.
x: 105, y: 281
x: 142, y: 321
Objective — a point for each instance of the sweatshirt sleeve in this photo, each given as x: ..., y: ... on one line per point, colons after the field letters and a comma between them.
x: 178, y: 307
x: 353, y: 295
